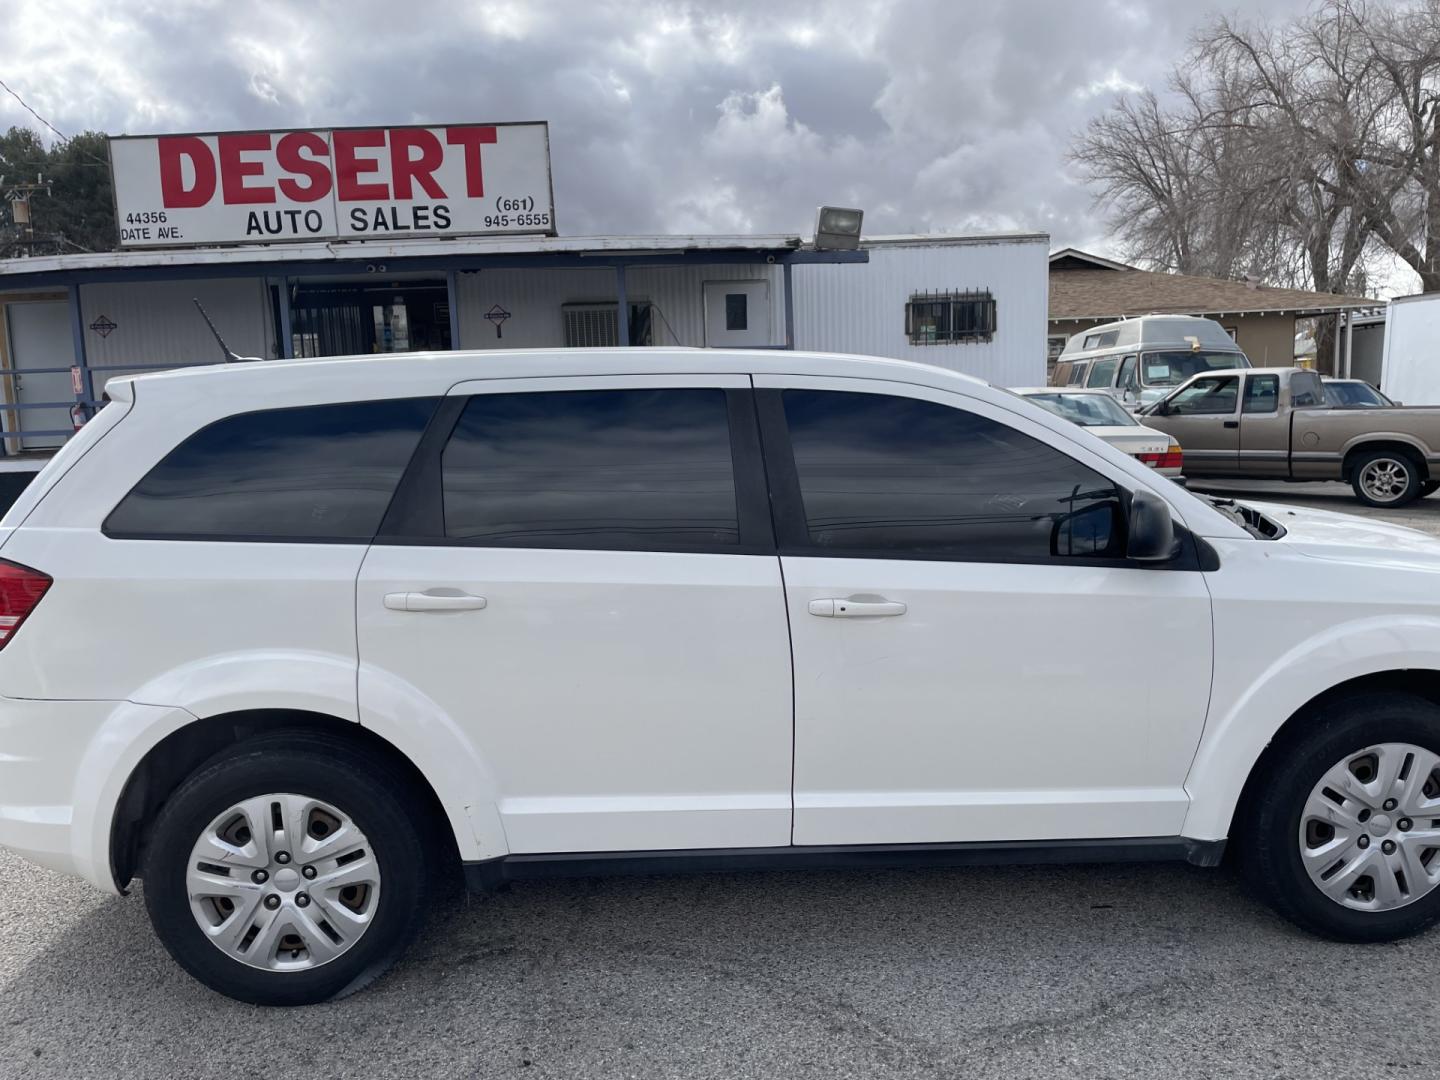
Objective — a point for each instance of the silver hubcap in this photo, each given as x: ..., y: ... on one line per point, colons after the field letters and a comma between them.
x: 1370, y: 830
x: 283, y: 882
x: 1384, y: 479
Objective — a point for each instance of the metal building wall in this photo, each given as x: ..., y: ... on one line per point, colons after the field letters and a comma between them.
x: 534, y: 299
x: 156, y: 322
x: 861, y: 308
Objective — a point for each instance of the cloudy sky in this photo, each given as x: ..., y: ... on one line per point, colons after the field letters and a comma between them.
x: 933, y: 115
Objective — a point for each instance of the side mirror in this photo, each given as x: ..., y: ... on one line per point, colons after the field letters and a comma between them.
x: 1152, y: 530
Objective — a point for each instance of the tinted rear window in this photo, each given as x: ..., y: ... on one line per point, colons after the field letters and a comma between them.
x: 599, y: 469
x: 320, y: 472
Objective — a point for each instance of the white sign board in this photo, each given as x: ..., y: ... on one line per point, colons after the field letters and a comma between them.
x: 246, y: 187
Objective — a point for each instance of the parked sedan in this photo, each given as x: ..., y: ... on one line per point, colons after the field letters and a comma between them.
x: 1104, y: 417
x: 1354, y: 394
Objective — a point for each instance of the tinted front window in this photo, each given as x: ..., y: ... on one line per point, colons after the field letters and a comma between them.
x: 321, y: 472
x: 894, y: 477
x: 630, y: 469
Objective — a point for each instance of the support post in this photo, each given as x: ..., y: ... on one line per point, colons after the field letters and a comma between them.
x: 622, y: 306
x: 1335, y: 353
x: 1349, y: 341
x: 86, y: 392
x: 453, y: 303
x: 789, y: 308
x: 287, y: 334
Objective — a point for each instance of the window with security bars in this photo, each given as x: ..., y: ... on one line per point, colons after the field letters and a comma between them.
x: 595, y: 326
x: 950, y: 318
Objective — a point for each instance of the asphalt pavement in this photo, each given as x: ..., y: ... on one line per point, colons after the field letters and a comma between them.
x: 1103, y: 971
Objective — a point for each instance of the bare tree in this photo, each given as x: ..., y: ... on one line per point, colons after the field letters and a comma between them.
x: 1308, y: 91
x: 1396, y: 169
x: 1293, y: 151
x: 1187, y: 191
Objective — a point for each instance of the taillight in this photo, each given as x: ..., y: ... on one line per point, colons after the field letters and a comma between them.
x: 1172, y: 458
x: 20, y: 590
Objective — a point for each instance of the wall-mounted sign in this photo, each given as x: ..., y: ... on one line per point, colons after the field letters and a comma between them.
x: 244, y: 187
x: 497, y: 316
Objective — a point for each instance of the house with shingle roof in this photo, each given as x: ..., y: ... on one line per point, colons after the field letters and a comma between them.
x: 1086, y: 290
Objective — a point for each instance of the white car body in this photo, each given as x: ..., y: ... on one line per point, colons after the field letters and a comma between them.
x: 629, y: 701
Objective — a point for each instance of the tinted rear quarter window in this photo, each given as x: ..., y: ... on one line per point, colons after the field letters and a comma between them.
x: 895, y: 477
x: 320, y: 472
x: 599, y: 469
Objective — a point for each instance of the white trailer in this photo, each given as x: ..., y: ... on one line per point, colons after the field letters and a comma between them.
x: 1410, y: 370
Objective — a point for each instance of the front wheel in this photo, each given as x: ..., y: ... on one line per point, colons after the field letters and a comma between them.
x: 1429, y: 487
x: 1386, y: 478
x: 1343, y: 835
x: 287, y: 871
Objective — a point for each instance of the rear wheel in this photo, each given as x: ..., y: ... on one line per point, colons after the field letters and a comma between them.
x: 1429, y: 487
x: 1386, y: 478
x: 1343, y: 838
x: 286, y: 872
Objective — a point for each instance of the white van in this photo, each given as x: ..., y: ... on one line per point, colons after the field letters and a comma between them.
x: 287, y: 640
x: 1141, y: 360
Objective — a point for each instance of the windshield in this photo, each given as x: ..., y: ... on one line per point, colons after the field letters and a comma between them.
x: 1347, y: 395
x: 1087, y: 410
x: 1174, y: 367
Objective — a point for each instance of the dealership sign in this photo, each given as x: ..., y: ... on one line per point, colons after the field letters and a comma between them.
x: 348, y: 183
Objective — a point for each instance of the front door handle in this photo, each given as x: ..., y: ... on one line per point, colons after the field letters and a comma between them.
x: 845, y: 607
x: 433, y: 601
x: 1232, y: 423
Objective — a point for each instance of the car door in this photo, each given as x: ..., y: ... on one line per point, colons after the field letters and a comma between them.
x: 579, y: 575
x: 1264, y: 446
x: 1204, y: 416
x: 973, y: 659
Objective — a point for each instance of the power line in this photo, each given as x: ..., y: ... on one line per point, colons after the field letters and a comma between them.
x: 60, y: 134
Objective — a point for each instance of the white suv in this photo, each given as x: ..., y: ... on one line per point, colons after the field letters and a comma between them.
x: 286, y: 640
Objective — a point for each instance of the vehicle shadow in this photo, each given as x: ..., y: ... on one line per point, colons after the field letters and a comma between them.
x: 986, y: 971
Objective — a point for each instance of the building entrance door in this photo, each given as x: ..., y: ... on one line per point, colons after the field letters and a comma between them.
x: 39, y: 338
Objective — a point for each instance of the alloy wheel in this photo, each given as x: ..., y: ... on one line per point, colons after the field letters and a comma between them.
x: 1370, y: 828
x: 1385, y: 479
x: 283, y: 882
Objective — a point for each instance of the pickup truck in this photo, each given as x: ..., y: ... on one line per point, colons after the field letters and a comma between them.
x: 1275, y: 424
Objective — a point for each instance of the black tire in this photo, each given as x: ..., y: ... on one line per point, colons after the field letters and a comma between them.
x: 360, y: 785
x: 1268, y: 822
x: 1405, y: 464
x: 1429, y: 487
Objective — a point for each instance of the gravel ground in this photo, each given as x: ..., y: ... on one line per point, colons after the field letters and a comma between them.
x: 1113, y: 971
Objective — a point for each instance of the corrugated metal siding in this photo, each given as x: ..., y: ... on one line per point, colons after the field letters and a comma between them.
x: 534, y: 299
x: 156, y: 322
x: 860, y: 308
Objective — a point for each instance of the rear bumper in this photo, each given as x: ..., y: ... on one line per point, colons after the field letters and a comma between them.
x: 62, y: 766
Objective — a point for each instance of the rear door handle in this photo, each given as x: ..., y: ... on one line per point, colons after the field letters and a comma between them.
x: 433, y: 601
x: 843, y: 607
x: 1232, y: 423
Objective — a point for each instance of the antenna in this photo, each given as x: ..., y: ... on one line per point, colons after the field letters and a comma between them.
x: 230, y: 357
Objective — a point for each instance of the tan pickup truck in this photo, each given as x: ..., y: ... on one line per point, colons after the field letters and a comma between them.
x: 1274, y: 424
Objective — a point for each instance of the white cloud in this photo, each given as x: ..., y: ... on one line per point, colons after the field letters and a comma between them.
x: 681, y: 115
